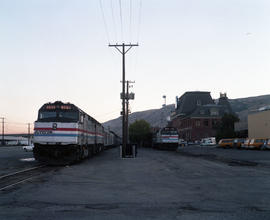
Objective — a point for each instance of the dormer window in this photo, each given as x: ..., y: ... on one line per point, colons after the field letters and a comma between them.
x: 214, y: 111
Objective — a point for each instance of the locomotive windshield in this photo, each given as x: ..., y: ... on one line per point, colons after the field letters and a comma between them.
x: 58, y: 116
x: 169, y: 131
x: 43, y: 115
x: 58, y: 112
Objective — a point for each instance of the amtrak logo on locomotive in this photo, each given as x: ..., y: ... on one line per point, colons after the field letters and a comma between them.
x: 54, y: 126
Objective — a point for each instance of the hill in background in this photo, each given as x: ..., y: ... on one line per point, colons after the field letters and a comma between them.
x: 158, y: 117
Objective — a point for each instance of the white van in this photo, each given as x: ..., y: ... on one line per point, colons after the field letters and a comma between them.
x: 210, y: 141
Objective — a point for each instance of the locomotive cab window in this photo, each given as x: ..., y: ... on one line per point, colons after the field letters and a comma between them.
x: 43, y: 115
x: 68, y: 114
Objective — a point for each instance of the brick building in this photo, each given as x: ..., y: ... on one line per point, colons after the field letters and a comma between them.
x: 196, y: 114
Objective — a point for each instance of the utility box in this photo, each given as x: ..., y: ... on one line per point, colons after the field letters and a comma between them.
x: 131, y: 151
x: 131, y: 96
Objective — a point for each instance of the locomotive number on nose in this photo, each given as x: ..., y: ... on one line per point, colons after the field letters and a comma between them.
x: 43, y: 132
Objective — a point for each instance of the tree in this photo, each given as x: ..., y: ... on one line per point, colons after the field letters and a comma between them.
x: 140, y: 132
x: 226, y: 127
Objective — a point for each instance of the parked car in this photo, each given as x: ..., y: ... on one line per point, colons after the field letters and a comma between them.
x: 226, y: 143
x: 211, y: 141
x: 256, y: 143
x: 182, y: 143
x: 28, y: 148
x: 266, y: 144
x: 238, y: 142
x: 246, y: 143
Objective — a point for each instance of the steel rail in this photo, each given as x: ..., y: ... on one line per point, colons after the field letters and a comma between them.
x: 22, y: 171
x: 16, y: 178
x: 13, y: 184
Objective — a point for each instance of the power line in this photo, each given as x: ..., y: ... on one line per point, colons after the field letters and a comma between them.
x: 139, y: 21
x: 121, y: 18
x: 113, y: 20
x: 104, y: 20
x: 130, y: 19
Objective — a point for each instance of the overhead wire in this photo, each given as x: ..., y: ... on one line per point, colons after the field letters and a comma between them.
x: 121, y: 18
x: 139, y: 21
x: 104, y: 20
x: 130, y: 19
x: 126, y: 26
x: 113, y: 20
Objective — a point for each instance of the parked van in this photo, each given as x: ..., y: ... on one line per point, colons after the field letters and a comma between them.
x: 226, y: 143
x: 246, y: 143
x: 211, y: 141
x: 266, y: 144
x: 256, y: 143
x: 238, y: 142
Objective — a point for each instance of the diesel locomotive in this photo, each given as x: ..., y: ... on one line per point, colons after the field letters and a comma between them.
x: 166, y: 138
x: 64, y: 134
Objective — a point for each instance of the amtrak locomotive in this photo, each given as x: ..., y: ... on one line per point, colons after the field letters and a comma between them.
x: 166, y: 138
x: 64, y: 134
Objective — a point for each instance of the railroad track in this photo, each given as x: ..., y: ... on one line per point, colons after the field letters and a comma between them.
x: 16, y: 178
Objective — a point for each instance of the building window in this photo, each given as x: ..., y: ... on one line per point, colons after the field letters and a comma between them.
x: 199, y: 102
x: 202, y: 112
x: 214, y: 111
x: 214, y: 123
x: 197, y: 123
x: 205, y: 122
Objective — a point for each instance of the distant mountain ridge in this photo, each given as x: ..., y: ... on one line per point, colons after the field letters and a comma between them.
x: 158, y: 117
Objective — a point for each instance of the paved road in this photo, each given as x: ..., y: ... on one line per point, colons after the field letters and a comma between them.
x: 155, y: 185
x: 259, y: 157
x: 14, y: 158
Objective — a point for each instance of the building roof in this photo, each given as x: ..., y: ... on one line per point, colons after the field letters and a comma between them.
x: 201, y: 104
x: 189, y: 101
x: 223, y: 101
x: 208, y: 111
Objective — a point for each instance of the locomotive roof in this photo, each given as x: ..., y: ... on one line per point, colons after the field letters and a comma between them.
x: 73, y: 107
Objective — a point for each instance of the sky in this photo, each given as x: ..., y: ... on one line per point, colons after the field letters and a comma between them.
x: 58, y: 50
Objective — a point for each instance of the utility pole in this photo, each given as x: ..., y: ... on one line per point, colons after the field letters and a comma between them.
x: 28, y: 134
x: 3, y: 131
x: 129, y: 96
x: 123, y: 94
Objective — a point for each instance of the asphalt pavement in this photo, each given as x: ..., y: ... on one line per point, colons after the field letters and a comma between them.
x: 155, y: 185
x: 14, y: 158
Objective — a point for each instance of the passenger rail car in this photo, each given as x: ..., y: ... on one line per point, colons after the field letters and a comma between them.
x: 64, y: 134
x: 111, y: 139
x: 166, y: 138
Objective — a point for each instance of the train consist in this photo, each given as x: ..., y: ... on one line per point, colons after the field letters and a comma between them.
x: 166, y: 138
x: 64, y: 134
